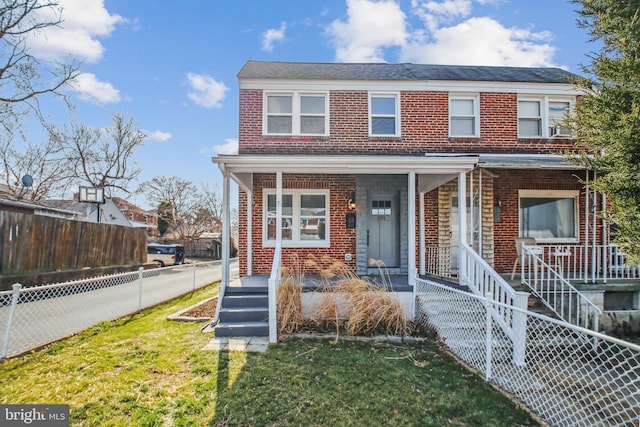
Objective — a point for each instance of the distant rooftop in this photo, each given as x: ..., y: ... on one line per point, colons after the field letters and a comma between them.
x: 374, y: 71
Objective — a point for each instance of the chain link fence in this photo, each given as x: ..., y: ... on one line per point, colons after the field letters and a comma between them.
x: 35, y: 316
x: 570, y: 376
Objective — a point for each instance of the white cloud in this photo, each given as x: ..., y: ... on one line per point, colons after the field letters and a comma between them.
x: 230, y: 146
x: 205, y: 91
x: 83, y: 23
x: 158, y: 136
x: 91, y: 89
x: 370, y: 27
x: 443, y: 32
x: 482, y: 41
x: 272, y: 35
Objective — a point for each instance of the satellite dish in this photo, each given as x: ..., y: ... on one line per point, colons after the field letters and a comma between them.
x: 27, y: 181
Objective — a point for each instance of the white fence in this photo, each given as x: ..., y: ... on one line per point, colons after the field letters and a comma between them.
x: 35, y: 316
x: 591, y: 263
x: 571, y: 376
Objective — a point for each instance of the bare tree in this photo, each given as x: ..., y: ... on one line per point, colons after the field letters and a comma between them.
x: 189, y: 212
x: 212, y: 201
x: 104, y: 158
x: 43, y: 162
x: 24, y: 77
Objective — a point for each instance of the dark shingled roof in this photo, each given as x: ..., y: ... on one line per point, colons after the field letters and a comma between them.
x: 408, y: 72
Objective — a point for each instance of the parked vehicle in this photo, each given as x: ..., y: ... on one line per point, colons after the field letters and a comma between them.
x: 165, y: 254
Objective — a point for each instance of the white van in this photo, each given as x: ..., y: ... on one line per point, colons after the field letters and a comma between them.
x: 165, y: 254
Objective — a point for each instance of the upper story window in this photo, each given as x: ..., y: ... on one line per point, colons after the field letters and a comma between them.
x: 542, y: 117
x: 463, y: 116
x: 384, y: 116
x: 305, y: 218
x: 296, y: 113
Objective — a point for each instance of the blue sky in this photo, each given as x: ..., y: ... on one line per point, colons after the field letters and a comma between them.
x: 172, y: 65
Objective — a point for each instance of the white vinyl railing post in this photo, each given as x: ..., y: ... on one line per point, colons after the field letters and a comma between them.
x: 519, y: 328
x: 140, y: 270
x: 193, y: 264
x: 488, y: 336
x: 12, y: 312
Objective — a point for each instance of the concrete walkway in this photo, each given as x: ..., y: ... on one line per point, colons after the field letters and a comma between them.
x: 250, y: 344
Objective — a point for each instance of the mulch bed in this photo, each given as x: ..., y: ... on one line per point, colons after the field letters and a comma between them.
x: 205, y: 310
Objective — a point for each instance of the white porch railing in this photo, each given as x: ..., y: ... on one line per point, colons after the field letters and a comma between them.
x: 592, y: 263
x: 550, y: 286
x: 274, y: 282
x: 438, y: 261
x: 484, y: 281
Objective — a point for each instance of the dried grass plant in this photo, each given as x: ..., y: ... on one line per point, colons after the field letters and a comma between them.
x: 356, y: 304
x: 289, y: 297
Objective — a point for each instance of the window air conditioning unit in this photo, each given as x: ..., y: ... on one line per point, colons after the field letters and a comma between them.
x: 558, y: 132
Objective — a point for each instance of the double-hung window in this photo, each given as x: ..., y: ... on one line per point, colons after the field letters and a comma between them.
x: 530, y: 118
x: 549, y: 216
x: 305, y: 218
x: 558, y: 110
x: 463, y: 116
x: 542, y: 117
x: 384, y: 115
x: 296, y: 113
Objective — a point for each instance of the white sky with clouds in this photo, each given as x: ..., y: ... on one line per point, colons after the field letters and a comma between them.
x: 173, y: 65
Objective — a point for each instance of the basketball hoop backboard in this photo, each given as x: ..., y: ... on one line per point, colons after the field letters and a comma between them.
x: 91, y: 194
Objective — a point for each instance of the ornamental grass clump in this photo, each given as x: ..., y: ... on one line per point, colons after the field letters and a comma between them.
x: 289, y: 298
x: 356, y: 305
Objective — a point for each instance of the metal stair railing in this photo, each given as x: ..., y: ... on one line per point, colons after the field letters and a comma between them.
x: 274, y: 282
x: 484, y: 281
x: 555, y: 292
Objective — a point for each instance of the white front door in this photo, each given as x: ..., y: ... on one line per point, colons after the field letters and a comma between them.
x: 383, y: 236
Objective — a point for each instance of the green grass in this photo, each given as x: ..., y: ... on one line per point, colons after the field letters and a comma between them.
x: 144, y: 370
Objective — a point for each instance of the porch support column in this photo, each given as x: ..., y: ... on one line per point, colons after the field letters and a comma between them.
x: 249, y: 233
x: 423, y: 248
x: 278, y: 209
x: 226, y: 227
x: 462, y: 225
x: 412, y: 229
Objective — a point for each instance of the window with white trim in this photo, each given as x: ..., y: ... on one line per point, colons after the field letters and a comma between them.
x: 549, y: 216
x: 384, y: 116
x: 296, y: 113
x: 463, y: 116
x: 543, y: 117
x: 305, y: 218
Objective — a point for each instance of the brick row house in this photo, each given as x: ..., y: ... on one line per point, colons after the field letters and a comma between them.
x: 377, y: 161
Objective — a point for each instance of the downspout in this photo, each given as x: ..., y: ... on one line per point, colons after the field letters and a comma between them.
x: 480, y: 215
x: 423, y: 248
x: 462, y: 224
x: 471, y: 223
x: 249, y: 233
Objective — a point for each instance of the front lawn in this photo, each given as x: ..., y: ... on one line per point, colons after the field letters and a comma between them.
x: 144, y: 370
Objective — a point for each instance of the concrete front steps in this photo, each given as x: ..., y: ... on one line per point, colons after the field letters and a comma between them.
x: 244, y: 313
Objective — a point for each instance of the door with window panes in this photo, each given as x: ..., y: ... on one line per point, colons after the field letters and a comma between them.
x: 383, y: 237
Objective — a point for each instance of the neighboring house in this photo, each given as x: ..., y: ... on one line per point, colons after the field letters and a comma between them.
x: 378, y: 160
x: 34, y: 209
x: 113, y: 211
x: 139, y: 217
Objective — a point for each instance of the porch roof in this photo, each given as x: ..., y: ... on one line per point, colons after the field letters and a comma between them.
x: 242, y: 165
x: 525, y: 161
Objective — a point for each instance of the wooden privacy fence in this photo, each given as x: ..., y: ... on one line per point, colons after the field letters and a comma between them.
x: 34, y: 243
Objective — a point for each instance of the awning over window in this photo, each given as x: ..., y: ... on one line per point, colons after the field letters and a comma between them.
x: 525, y: 161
